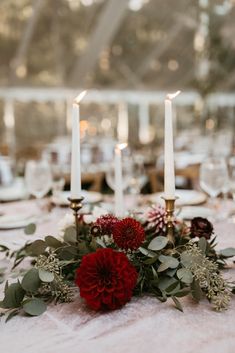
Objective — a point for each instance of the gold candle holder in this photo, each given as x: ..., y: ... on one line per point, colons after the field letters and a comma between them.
x: 170, y: 208
x: 76, y: 205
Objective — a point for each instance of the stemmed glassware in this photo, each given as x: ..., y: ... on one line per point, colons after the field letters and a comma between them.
x: 38, y: 178
x: 214, y: 177
x: 133, y: 177
x: 138, y: 177
x: 126, y: 174
x: 58, y: 182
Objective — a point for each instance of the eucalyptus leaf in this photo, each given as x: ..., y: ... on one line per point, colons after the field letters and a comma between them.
x: 155, y: 275
x: 72, y: 250
x: 70, y: 235
x: 147, y: 252
x: 171, y: 261
x: 166, y: 282
x: 30, y: 229
x: 6, y: 287
x: 186, y: 259
x: 14, y: 295
x: 202, y: 244
x: 228, y: 252
x: 182, y: 293
x: 158, y: 243
x: 45, y: 276
x: 34, y: 307
x: 11, y: 314
x: 31, y: 281
x: 162, y: 267
x: 154, y: 282
x: 82, y: 248
x: 177, y: 304
x: 185, y: 275
x: 196, y: 291
x: 171, y: 272
x: 66, y: 255
x: 37, y: 248
x: 173, y: 288
x: 151, y: 261
x: 3, y: 248
x: 52, y: 242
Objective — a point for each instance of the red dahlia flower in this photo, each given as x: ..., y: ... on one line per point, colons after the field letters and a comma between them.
x: 128, y: 234
x: 106, y: 224
x: 106, y: 279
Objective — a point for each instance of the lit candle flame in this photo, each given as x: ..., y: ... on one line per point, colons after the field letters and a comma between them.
x: 121, y: 146
x: 172, y: 95
x: 80, y: 97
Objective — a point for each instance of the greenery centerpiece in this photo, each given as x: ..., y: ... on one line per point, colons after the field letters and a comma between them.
x: 113, y: 259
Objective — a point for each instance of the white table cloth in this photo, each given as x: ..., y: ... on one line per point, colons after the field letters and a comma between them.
x: 143, y: 325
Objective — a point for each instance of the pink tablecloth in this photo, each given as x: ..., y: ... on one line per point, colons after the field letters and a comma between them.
x: 143, y: 325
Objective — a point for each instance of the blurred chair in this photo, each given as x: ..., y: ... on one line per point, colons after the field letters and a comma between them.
x: 30, y: 152
x: 186, y: 178
x: 90, y: 181
x: 93, y: 180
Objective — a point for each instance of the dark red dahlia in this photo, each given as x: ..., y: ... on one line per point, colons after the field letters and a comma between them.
x: 128, y: 234
x: 201, y: 227
x: 104, y: 224
x: 106, y: 279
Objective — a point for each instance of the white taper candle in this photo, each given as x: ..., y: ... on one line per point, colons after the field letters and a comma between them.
x: 75, y: 150
x: 118, y: 191
x: 169, y: 168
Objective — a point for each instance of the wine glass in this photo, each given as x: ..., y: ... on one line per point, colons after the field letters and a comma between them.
x: 126, y: 174
x: 138, y: 177
x: 58, y: 182
x: 213, y: 177
x: 38, y: 178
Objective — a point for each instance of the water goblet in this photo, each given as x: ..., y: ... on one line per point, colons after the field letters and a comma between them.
x: 126, y: 174
x: 58, y: 181
x: 38, y: 178
x: 213, y: 177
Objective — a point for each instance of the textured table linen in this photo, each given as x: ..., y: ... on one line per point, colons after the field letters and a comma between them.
x: 143, y: 325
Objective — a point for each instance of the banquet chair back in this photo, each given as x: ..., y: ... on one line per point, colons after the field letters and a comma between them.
x: 188, y: 177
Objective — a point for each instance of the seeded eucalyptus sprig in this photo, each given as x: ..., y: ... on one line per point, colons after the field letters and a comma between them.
x: 40, y: 285
x: 54, y: 286
x: 205, y: 273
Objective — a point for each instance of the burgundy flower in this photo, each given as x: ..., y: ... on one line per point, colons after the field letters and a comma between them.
x: 106, y: 279
x: 128, y: 234
x: 104, y: 225
x: 201, y: 227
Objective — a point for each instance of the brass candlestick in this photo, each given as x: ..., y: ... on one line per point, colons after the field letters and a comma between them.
x: 170, y: 208
x: 76, y: 205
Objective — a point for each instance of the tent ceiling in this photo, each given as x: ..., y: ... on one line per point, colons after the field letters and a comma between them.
x: 123, y: 44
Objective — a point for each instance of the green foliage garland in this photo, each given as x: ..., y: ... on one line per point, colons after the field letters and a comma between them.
x: 190, y: 267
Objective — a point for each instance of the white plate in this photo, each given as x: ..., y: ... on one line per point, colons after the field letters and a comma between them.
x: 189, y: 212
x: 15, y: 221
x: 89, y: 197
x: 14, y: 192
x: 185, y: 197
